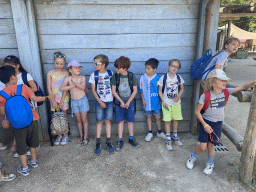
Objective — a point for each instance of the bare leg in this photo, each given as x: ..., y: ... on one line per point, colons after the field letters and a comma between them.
x: 130, y: 128
x: 199, y: 149
x: 23, y: 159
x: 79, y: 123
x: 149, y: 122
x: 211, y: 151
x: 158, y: 122
x: 33, y: 154
x: 108, y: 128
x: 120, y: 129
x: 85, y: 124
x: 175, y: 125
x: 98, y: 129
x: 65, y: 112
x: 168, y: 127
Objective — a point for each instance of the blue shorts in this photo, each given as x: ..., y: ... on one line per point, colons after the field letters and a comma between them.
x: 80, y: 105
x: 154, y: 112
x: 104, y: 113
x: 204, y: 137
x: 122, y: 114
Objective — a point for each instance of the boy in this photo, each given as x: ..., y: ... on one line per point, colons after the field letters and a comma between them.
x: 170, y: 91
x: 27, y: 136
x: 76, y: 85
x: 211, y: 117
x: 124, y: 89
x: 231, y: 46
x: 150, y: 99
x: 101, y: 90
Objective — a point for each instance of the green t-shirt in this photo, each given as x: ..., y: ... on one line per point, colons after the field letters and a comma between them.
x: 124, y: 90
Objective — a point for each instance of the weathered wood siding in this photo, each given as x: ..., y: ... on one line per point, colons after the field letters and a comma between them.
x: 140, y: 30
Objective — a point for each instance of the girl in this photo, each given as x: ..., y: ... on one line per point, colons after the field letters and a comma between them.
x: 211, y: 117
x: 55, y: 78
x: 19, y: 70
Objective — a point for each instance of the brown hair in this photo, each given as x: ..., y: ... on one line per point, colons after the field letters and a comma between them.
x: 173, y: 60
x: 230, y: 40
x: 123, y: 62
x: 208, y: 83
x: 103, y: 59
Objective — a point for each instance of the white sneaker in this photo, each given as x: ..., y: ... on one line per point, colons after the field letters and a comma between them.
x: 2, y: 146
x: 28, y: 153
x: 209, y: 168
x: 58, y: 140
x: 168, y: 145
x: 0, y: 165
x: 16, y: 154
x: 64, y: 140
x: 149, y: 137
x: 162, y: 135
x: 190, y: 162
x: 177, y: 141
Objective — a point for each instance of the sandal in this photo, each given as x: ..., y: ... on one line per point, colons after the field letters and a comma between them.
x: 85, y: 142
x: 12, y: 151
x: 80, y: 140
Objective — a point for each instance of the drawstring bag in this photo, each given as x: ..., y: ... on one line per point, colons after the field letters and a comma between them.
x: 59, y: 123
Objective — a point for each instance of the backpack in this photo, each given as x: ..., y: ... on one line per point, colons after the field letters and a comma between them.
x: 130, y: 78
x: 208, y: 99
x: 59, y: 123
x: 199, y: 66
x: 96, y: 77
x: 164, y: 82
x: 18, y: 109
x: 39, y: 91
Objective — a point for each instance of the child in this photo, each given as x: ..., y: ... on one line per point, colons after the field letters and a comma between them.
x: 124, y: 89
x: 101, y: 89
x: 55, y: 78
x: 150, y: 99
x: 14, y: 61
x: 211, y: 118
x: 231, y: 46
x: 170, y: 91
x: 27, y: 136
x: 76, y: 84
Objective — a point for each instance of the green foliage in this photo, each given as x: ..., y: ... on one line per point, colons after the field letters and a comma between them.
x: 236, y: 1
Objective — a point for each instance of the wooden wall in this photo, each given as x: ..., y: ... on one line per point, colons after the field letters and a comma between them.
x: 140, y: 30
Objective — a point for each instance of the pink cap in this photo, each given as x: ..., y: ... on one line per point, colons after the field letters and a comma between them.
x: 74, y: 63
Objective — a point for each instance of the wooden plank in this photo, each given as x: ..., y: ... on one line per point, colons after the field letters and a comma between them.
x: 116, y: 26
x: 116, y: 41
x: 135, y: 54
x: 8, y: 41
x: 116, y: 11
x: 7, y: 26
x: 5, y: 1
x: 5, y: 11
x: 81, y: 2
x: 5, y: 52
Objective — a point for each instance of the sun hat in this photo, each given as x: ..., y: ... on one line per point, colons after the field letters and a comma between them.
x: 74, y: 63
x: 218, y: 73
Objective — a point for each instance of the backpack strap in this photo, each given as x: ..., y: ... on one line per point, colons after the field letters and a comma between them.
x: 164, y: 82
x: 110, y: 74
x: 19, y: 89
x: 117, y: 78
x: 4, y: 94
x: 130, y: 78
x: 207, y: 100
x: 178, y: 77
x: 25, y: 78
x: 96, y: 78
x: 226, y: 93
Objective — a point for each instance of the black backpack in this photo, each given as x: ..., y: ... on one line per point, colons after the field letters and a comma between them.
x: 164, y: 82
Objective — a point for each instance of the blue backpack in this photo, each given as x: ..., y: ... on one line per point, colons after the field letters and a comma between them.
x: 198, y: 67
x: 18, y: 109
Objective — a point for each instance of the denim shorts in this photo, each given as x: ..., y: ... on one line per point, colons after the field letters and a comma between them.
x: 154, y: 112
x: 204, y: 137
x: 104, y: 113
x: 80, y: 105
x: 122, y: 114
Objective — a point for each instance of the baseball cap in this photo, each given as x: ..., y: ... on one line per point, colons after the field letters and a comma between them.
x: 74, y: 63
x: 218, y: 73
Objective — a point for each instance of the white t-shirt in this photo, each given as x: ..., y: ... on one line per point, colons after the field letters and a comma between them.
x: 2, y: 85
x: 171, y: 89
x: 103, y: 87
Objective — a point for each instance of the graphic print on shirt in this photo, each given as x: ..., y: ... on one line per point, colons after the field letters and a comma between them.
x: 172, y: 89
x: 104, y: 88
x: 124, y: 88
x: 217, y: 102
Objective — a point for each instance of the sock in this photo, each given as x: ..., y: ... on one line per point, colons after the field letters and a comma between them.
x: 98, y: 140
x: 174, y: 134
x: 194, y: 155
x: 130, y: 137
x: 121, y: 139
x: 168, y: 137
x: 150, y: 132
x: 159, y: 131
x: 108, y: 140
x: 25, y: 169
x: 210, y: 160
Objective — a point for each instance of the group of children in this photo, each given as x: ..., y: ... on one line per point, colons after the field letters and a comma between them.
x: 119, y: 90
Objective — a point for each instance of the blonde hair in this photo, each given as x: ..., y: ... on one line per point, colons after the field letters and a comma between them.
x: 208, y: 84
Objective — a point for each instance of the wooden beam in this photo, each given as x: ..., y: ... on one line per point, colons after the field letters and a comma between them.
x: 233, y: 16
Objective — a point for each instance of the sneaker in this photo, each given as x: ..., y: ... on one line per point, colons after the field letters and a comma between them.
x: 6, y: 176
x: 2, y: 146
x: 162, y: 135
x: 190, y: 162
x: 0, y: 165
x: 109, y: 147
x: 177, y: 141
x: 209, y: 168
x: 149, y: 137
x: 58, y: 140
x: 168, y: 145
x: 133, y: 143
x: 97, y: 149
x: 15, y: 155
x: 119, y: 145
x: 32, y: 164
x: 23, y: 172
x: 28, y: 153
x: 64, y: 140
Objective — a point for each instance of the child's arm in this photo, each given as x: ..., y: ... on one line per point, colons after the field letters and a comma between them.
x: 135, y: 90
x: 207, y: 127
x: 160, y: 94
x: 32, y: 85
x: 122, y: 104
x: 64, y: 87
x: 5, y: 122
x: 143, y: 100
x: 44, y: 98
x: 244, y: 87
x: 182, y: 89
x: 79, y: 86
x: 102, y: 104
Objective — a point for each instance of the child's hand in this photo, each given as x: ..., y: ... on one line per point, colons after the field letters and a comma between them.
x: 103, y: 105
x: 165, y: 106
x: 51, y: 97
x: 86, y: 90
x: 122, y: 105
x: 127, y: 105
x: 55, y: 105
x: 73, y: 81
x: 175, y: 99
x: 6, y: 124
x: 208, y: 129
x: 61, y: 104
x: 144, y: 103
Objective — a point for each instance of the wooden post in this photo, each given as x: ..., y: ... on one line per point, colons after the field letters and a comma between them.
x: 249, y: 146
x: 229, y: 29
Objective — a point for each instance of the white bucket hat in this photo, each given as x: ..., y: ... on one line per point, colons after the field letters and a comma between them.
x: 218, y: 73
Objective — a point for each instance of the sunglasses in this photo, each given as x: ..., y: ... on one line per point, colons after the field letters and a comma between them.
x: 97, y: 63
x: 59, y: 56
